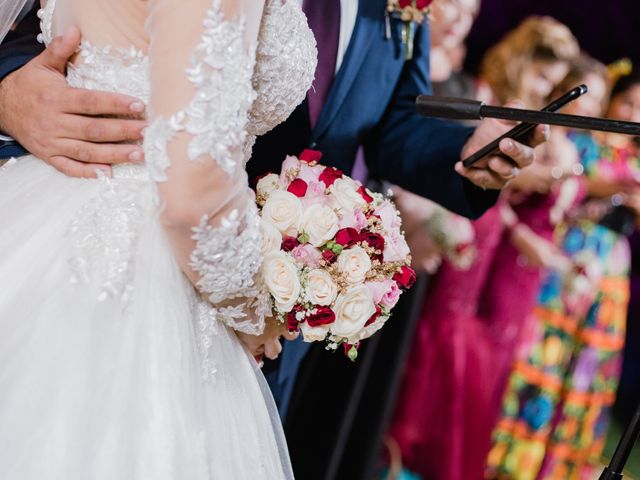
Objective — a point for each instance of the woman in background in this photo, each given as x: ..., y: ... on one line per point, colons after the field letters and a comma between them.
x: 556, y: 409
x: 448, y: 403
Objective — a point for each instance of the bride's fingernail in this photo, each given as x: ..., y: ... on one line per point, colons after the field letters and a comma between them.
x: 137, y: 107
x: 136, y: 156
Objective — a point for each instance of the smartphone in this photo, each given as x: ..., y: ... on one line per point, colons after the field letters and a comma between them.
x: 522, y: 132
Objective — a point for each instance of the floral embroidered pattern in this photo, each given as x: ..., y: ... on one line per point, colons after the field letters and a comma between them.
x: 228, y: 259
x: 123, y: 70
x: 207, y: 329
x: 217, y: 117
x: 286, y: 63
x: 104, y: 235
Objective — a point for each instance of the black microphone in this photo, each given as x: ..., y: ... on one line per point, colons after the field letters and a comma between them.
x: 463, y: 109
x: 621, y: 456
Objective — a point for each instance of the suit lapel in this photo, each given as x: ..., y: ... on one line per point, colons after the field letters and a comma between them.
x: 361, y: 39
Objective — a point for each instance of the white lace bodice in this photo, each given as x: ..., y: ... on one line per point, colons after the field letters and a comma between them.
x: 244, y: 74
x: 286, y: 60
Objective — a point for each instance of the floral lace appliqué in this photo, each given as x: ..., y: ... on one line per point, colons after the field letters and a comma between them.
x: 228, y: 259
x: 207, y: 327
x: 221, y: 69
x: 104, y: 235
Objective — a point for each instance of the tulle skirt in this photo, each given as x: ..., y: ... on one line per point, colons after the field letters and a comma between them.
x: 110, y: 366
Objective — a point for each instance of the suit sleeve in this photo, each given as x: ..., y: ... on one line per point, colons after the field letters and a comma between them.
x: 423, y: 151
x: 17, y: 49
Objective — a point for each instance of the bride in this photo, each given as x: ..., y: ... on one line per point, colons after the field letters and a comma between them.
x: 123, y: 299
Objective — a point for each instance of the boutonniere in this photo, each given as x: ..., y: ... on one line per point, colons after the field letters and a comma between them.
x: 412, y: 13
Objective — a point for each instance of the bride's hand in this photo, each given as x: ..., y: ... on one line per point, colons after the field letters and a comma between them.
x: 268, y: 344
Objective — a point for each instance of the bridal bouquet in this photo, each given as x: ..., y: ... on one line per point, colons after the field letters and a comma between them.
x: 335, y: 259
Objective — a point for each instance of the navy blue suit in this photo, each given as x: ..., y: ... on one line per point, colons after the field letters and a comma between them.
x: 371, y: 104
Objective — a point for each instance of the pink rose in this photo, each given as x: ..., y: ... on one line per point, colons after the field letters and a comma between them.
x: 357, y: 220
x: 389, y: 216
x: 309, y: 173
x: 395, y: 247
x: 385, y: 292
x: 290, y: 165
x: 379, y: 289
x: 390, y: 299
x: 307, y: 255
x: 315, y: 195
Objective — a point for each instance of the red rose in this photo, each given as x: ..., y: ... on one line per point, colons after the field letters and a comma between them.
x: 374, y: 317
x: 347, y: 237
x: 298, y: 187
x: 363, y: 193
x: 289, y: 243
x: 292, y: 322
x: 329, y: 256
x: 330, y: 175
x: 421, y: 4
x: 310, y: 156
x: 405, y: 278
x: 374, y: 240
x: 323, y: 316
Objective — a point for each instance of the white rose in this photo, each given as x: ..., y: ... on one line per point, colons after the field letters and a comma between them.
x: 345, y: 193
x: 354, y: 263
x: 267, y: 185
x: 320, y: 288
x: 353, y: 309
x: 284, y: 211
x: 313, y: 334
x: 281, y: 278
x: 320, y: 222
x: 271, y: 238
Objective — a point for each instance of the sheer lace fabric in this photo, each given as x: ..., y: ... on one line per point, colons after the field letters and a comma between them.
x: 124, y: 371
x: 220, y: 110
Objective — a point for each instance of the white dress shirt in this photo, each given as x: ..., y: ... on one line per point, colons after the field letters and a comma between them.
x: 348, y: 16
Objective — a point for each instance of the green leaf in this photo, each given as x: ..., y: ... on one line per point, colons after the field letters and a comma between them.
x: 353, y: 353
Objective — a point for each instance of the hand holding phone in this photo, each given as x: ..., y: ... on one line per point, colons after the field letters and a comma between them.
x: 522, y: 132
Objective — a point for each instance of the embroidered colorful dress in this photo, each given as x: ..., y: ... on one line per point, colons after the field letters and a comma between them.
x: 556, y: 409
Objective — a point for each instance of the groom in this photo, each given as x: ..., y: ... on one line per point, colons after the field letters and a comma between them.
x: 363, y: 95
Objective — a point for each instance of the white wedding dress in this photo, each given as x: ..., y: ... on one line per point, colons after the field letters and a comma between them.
x: 112, y: 364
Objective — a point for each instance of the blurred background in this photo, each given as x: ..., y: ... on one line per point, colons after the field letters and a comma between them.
x: 608, y: 30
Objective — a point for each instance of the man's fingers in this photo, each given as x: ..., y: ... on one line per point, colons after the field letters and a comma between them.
x: 481, y: 177
x: 540, y: 135
x: 522, y: 155
x: 102, y: 130
x: 104, y: 153
x: 57, y: 54
x: 503, y: 167
x: 73, y: 168
x: 92, y: 103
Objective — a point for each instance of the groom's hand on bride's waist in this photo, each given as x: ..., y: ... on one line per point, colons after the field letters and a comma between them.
x: 67, y: 127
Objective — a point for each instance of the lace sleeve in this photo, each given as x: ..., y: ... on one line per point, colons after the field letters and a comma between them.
x: 202, y: 56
